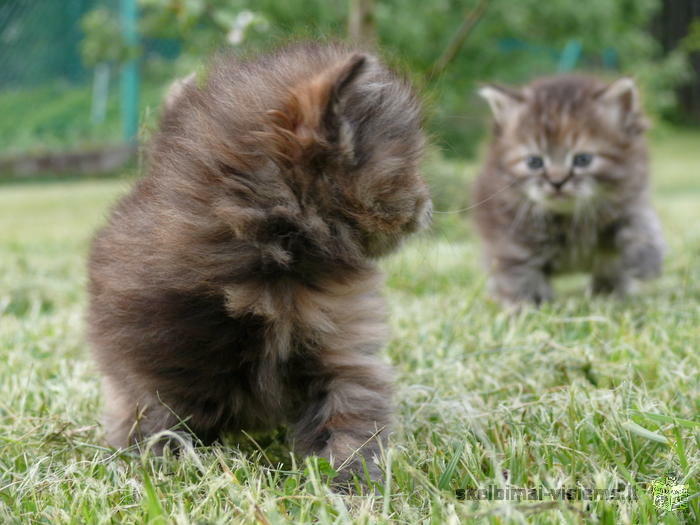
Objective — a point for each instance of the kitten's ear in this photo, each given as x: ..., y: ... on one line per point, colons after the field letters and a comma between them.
x: 313, y: 114
x: 343, y: 80
x: 504, y: 102
x: 620, y: 104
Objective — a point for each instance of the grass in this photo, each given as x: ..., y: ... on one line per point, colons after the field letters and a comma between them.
x: 581, y: 393
x: 57, y: 116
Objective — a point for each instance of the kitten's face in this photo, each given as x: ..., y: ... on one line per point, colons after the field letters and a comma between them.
x: 360, y: 127
x: 564, y: 140
x: 382, y: 189
x: 560, y: 176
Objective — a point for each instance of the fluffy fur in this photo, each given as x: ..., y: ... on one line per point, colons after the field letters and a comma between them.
x: 234, y: 288
x: 565, y: 188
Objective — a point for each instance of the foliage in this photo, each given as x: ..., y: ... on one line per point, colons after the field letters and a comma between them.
x: 517, y: 41
x: 691, y: 42
x: 103, y: 40
x: 588, y: 393
x: 202, y: 26
x: 514, y: 42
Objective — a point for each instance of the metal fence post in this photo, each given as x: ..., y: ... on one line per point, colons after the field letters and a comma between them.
x: 130, y: 72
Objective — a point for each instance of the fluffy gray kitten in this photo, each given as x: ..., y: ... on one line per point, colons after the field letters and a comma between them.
x: 565, y: 188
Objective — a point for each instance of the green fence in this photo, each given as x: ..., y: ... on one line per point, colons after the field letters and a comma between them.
x: 50, y: 100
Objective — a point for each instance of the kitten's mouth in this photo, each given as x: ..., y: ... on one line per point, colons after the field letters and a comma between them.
x: 560, y: 195
x: 560, y: 200
x: 379, y: 244
x: 563, y: 206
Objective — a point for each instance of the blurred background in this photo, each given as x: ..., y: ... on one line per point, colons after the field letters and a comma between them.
x: 81, y: 80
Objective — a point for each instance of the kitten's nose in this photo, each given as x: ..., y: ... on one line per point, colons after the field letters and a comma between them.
x: 557, y: 179
x: 557, y: 183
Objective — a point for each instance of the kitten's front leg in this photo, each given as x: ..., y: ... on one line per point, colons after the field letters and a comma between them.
x: 129, y: 421
x: 610, y: 277
x: 638, y: 255
x: 642, y: 245
x: 517, y: 283
x: 350, y: 415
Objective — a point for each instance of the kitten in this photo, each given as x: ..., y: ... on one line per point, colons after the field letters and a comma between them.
x: 565, y: 188
x: 235, y: 287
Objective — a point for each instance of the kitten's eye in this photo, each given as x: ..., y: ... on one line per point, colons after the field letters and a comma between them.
x: 535, y: 162
x: 581, y: 160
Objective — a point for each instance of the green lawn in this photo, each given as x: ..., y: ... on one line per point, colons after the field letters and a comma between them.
x: 580, y: 394
x: 56, y: 116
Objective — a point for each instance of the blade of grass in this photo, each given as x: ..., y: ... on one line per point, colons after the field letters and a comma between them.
x: 660, y: 418
x: 643, y: 432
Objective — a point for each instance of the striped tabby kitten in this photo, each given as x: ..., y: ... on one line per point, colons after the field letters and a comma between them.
x: 565, y: 188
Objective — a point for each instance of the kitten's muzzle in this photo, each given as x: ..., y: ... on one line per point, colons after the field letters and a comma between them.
x: 557, y: 180
x: 423, y: 217
x: 425, y: 214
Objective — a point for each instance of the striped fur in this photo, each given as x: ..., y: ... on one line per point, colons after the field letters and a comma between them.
x: 586, y: 208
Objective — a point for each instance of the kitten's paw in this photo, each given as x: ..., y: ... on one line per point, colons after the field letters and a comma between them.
x: 541, y: 294
x: 645, y: 262
x: 619, y: 286
x: 516, y: 296
x: 173, y: 442
x: 363, y: 473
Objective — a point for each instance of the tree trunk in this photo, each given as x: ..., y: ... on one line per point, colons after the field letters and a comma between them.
x: 361, y: 22
x: 671, y: 26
